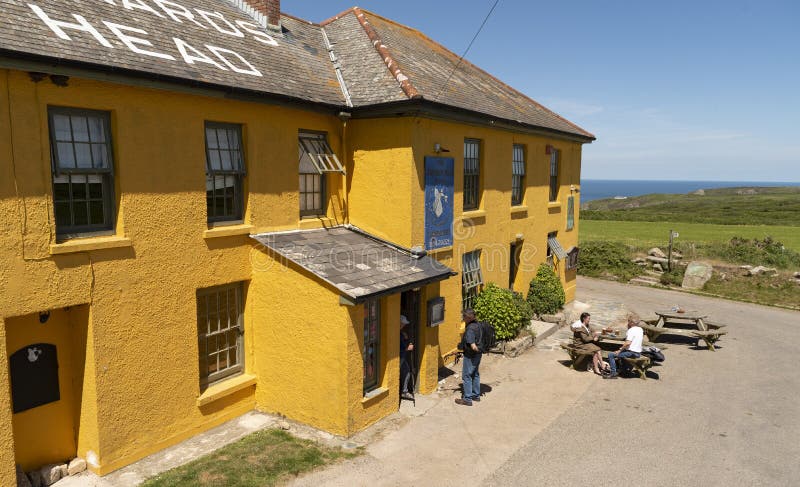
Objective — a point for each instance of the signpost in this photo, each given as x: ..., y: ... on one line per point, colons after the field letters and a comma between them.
x: 669, y: 253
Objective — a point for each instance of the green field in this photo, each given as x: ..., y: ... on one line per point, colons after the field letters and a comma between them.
x: 640, y: 234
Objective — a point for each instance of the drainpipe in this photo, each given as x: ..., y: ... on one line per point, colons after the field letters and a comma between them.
x: 344, y: 117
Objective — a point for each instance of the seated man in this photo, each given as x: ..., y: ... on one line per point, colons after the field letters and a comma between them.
x: 631, y: 348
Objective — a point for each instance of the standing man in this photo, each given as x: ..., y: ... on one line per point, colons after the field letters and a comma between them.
x: 631, y: 348
x: 471, y: 361
x: 405, y: 366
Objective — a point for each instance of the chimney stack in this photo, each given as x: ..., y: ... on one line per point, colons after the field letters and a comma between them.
x: 271, y: 9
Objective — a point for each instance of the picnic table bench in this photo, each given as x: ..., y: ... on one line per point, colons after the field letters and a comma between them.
x: 710, y: 336
x: 641, y: 365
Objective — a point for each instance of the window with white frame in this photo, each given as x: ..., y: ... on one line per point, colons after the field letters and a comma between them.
x: 553, y: 174
x: 372, y: 344
x: 225, y: 171
x: 83, y: 171
x: 472, y: 174
x: 471, y: 278
x: 518, y: 175
x: 316, y: 160
x: 220, y: 332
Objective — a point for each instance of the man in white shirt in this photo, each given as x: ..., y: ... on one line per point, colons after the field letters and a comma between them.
x: 631, y: 348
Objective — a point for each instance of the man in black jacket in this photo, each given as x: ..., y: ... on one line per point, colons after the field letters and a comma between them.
x: 471, y: 361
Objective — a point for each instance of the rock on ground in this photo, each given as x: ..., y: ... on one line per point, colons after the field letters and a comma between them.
x: 696, y: 275
x: 657, y: 252
x: 76, y: 466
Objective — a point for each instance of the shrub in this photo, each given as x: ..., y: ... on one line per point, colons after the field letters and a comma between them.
x: 673, y: 277
x: 599, y: 259
x: 546, y: 294
x: 765, y: 252
x: 504, y: 309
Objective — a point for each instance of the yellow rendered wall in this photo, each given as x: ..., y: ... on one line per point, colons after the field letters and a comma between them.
x: 141, y: 353
x: 300, y: 344
x: 381, y: 153
x: 380, y: 177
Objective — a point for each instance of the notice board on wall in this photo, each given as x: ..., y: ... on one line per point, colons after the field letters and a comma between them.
x: 439, y: 183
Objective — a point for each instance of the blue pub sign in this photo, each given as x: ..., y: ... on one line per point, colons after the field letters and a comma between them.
x: 439, y: 182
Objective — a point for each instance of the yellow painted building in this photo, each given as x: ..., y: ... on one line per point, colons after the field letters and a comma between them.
x: 143, y: 297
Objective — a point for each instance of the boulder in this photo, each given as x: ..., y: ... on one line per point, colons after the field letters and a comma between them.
x: 660, y: 260
x: 657, y: 252
x: 745, y: 267
x: 696, y: 275
x: 22, y: 479
x: 657, y: 267
x: 699, y: 192
x: 76, y: 466
x: 638, y: 260
x: 758, y: 270
x: 556, y: 318
x: 797, y: 275
x: 677, y: 255
x: 51, y: 474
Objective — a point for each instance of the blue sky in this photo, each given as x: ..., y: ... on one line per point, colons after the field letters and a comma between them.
x: 706, y: 90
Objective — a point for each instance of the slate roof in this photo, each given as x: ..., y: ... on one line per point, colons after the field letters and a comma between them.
x: 427, y: 64
x: 380, y: 60
x: 359, y: 265
x: 298, y: 67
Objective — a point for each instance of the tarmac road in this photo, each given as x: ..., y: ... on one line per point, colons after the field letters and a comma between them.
x: 730, y: 417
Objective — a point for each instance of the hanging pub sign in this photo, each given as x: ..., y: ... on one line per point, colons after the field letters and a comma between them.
x: 570, y: 213
x: 34, y: 376
x: 439, y: 182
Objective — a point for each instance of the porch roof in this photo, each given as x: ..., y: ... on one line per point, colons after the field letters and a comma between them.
x: 361, y: 266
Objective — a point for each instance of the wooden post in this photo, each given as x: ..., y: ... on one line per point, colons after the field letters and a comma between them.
x: 669, y: 253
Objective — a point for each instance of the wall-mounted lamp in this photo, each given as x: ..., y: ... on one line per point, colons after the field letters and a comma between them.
x: 519, y: 237
x: 44, y: 316
x: 437, y: 148
x: 574, y: 189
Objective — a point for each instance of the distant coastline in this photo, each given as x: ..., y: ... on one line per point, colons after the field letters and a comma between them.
x: 595, y: 189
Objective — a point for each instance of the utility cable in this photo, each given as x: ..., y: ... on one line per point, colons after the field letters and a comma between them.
x: 458, y: 64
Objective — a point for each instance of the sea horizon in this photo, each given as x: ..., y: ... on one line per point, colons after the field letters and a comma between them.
x: 595, y: 189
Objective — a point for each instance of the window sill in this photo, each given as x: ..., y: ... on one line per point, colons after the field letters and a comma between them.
x: 519, y: 209
x: 90, y: 243
x: 554, y: 204
x: 226, y: 388
x: 473, y: 214
x: 374, y: 395
x: 228, y: 231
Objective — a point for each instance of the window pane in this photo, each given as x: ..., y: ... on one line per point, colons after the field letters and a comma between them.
x: 83, y: 155
x: 79, y: 188
x: 96, y: 212
x: 100, y: 156
x: 80, y: 128
x: 214, y: 160
x: 62, y: 128
x: 81, y: 212
x: 66, y: 158
x: 225, y: 158
x: 211, y: 138
x: 97, y: 131
x: 222, y: 138
x: 63, y: 217
x: 61, y: 190
x: 95, y: 190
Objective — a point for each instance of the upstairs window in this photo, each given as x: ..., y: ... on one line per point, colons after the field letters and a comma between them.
x: 471, y: 278
x: 553, y: 173
x: 83, y: 171
x: 472, y: 174
x: 518, y: 175
x: 224, y: 172
x: 316, y: 159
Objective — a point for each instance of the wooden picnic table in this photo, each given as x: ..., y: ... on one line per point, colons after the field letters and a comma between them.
x: 674, y: 323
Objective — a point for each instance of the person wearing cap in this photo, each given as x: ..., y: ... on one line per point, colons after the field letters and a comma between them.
x: 471, y: 360
x: 405, y: 366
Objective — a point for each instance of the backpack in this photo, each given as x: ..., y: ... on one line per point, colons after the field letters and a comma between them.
x: 654, y: 353
x: 487, y: 339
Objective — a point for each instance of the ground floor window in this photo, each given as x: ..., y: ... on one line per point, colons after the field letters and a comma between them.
x: 471, y: 278
x: 220, y: 332
x: 371, y: 351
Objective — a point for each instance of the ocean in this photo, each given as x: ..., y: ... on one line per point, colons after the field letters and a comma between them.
x: 595, y: 189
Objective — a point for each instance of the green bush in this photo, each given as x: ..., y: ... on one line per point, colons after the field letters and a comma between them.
x: 600, y: 259
x: 765, y: 252
x: 673, y: 277
x: 546, y: 294
x: 504, y: 309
